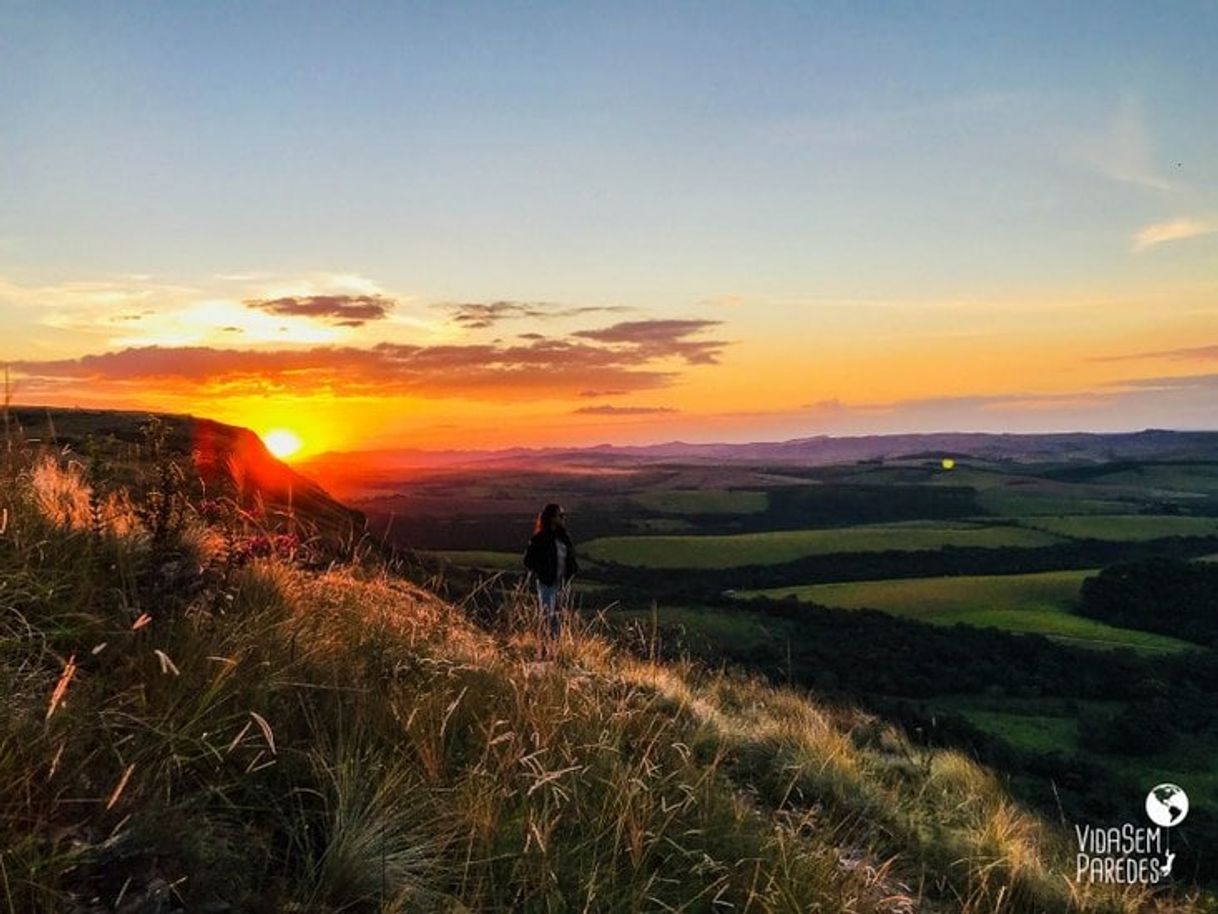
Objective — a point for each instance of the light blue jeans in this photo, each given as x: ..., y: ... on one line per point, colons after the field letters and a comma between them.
x: 550, y: 599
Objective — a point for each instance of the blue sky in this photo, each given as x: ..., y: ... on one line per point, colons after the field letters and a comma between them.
x: 791, y: 158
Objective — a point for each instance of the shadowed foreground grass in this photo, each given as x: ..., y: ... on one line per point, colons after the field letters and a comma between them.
x: 194, y: 725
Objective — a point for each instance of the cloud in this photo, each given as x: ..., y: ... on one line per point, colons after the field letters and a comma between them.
x: 1171, y: 382
x: 94, y: 298
x: 341, y: 310
x: 1175, y: 230
x: 1187, y: 353
x: 826, y: 407
x: 590, y: 394
x: 480, y: 315
x: 1147, y: 402
x: 625, y: 360
x: 1124, y: 149
x: 660, y: 339
x: 609, y: 410
x: 316, y: 309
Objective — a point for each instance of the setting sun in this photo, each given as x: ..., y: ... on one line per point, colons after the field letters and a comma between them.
x: 281, y: 442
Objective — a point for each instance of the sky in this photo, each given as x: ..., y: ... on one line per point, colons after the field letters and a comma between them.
x: 471, y: 225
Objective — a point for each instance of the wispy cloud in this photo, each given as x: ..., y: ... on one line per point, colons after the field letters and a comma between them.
x: 1123, y: 150
x: 1169, y: 382
x: 92, y: 297
x: 610, y: 410
x: 1173, y: 230
x: 480, y: 315
x: 1185, y: 353
x: 1144, y: 402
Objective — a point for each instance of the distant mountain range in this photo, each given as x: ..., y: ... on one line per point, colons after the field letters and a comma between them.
x: 1150, y: 444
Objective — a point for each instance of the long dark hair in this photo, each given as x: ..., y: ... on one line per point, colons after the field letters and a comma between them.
x: 545, y: 519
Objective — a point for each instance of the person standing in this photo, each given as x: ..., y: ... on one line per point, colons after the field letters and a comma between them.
x: 551, y: 559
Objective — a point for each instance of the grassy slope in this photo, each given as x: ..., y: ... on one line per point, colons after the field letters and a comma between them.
x: 1041, y: 602
x: 346, y: 741
x: 278, y: 739
x: 787, y: 545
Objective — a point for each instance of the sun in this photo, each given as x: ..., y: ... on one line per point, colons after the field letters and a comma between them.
x: 282, y: 442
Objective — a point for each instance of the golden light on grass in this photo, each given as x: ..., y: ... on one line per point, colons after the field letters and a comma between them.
x: 61, y: 687
x: 282, y: 442
x: 120, y: 787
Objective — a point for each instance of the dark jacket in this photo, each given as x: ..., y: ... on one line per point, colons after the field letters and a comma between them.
x: 541, y: 558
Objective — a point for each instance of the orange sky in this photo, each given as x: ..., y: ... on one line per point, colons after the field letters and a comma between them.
x: 465, y: 229
x: 347, y: 364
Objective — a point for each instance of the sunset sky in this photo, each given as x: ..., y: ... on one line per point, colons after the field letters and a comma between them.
x: 480, y: 225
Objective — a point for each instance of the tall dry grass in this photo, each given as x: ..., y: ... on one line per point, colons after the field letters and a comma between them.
x: 290, y: 740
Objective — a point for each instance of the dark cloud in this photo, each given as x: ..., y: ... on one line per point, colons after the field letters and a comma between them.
x: 658, y: 339
x: 544, y: 368
x: 342, y: 310
x: 480, y: 315
x: 621, y: 359
x: 609, y: 410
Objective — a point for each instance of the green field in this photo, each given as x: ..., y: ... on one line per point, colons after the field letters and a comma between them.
x: 708, y: 501
x: 1040, y: 603
x: 1123, y: 528
x: 1036, y: 733
x: 1035, y: 724
x: 1011, y: 501
x: 1043, y: 726
x: 776, y: 547
x: 1185, y: 478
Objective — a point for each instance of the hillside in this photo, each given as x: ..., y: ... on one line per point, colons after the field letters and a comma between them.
x: 192, y: 725
x: 224, y: 458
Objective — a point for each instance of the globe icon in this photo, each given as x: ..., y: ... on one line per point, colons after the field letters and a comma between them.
x: 1167, y: 805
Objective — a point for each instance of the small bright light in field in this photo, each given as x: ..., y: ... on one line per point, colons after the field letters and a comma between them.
x: 282, y: 442
x: 948, y: 463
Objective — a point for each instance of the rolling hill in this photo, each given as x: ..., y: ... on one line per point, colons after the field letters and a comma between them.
x: 277, y: 738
